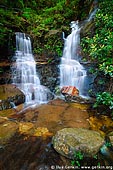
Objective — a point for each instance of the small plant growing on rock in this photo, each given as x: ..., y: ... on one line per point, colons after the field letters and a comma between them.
x: 78, y: 156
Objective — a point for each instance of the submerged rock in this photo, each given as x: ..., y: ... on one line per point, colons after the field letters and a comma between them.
x: 68, y: 141
x: 7, y: 130
x: 102, y: 124
x: 25, y: 127
x: 58, y: 114
x: 28, y: 128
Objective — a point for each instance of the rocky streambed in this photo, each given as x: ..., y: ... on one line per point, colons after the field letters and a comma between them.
x: 28, y: 136
x: 62, y: 134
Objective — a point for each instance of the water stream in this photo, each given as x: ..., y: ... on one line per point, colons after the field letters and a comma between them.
x: 36, y: 152
x: 24, y: 74
x: 72, y: 73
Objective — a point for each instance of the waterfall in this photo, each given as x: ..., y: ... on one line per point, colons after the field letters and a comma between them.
x: 24, y: 74
x: 72, y: 73
x: 92, y: 14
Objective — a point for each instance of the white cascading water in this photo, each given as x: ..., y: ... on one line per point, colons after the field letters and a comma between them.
x: 24, y: 74
x: 72, y: 73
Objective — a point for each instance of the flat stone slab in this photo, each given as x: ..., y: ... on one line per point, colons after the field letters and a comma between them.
x: 57, y: 115
x: 69, y: 141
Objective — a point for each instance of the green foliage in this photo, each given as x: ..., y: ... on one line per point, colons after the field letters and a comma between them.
x: 104, y: 98
x: 95, y: 156
x: 37, y: 19
x: 27, y: 13
x: 13, y: 4
x: 58, y: 49
x: 100, y: 46
x: 51, y: 18
x: 108, y: 144
x: 8, y: 21
x: 78, y: 156
x: 107, y: 67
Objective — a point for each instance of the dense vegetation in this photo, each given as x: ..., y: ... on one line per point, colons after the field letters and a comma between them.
x: 44, y: 21
x: 99, y: 48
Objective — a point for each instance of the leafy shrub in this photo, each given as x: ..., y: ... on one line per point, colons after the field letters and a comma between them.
x: 100, y: 46
x: 37, y: 18
x: 104, y: 98
x: 99, y: 49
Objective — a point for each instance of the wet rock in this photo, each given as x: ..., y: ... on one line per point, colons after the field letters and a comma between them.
x: 48, y: 118
x: 12, y: 113
x: 42, y: 131
x: 25, y: 127
x: 10, y: 96
x: 110, y: 135
x: 70, y: 90
x: 107, y: 153
x: 28, y: 128
x: 78, y: 99
x: 68, y: 141
x: 58, y: 114
x: 3, y: 119
x: 58, y: 102
x: 48, y: 72
x: 47, y: 69
x: 7, y: 130
x: 102, y: 124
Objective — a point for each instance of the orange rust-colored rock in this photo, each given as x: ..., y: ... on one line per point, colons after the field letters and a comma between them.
x: 70, y: 90
x: 101, y: 124
x: 57, y: 115
x: 25, y: 127
x: 42, y: 131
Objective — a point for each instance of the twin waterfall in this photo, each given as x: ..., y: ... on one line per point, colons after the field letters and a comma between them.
x: 72, y: 73
x: 24, y: 74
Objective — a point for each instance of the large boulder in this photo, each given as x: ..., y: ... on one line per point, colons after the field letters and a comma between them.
x: 69, y: 141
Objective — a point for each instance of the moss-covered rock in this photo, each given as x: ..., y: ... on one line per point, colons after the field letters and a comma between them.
x: 69, y: 141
